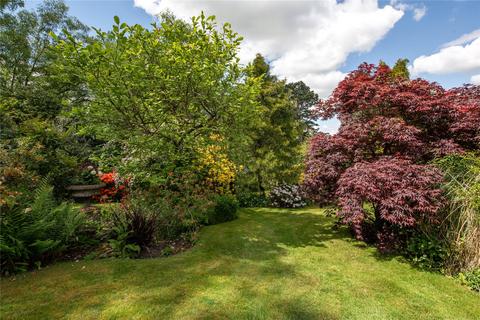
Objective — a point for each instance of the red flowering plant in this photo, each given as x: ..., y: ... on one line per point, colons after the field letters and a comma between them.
x: 115, y: 187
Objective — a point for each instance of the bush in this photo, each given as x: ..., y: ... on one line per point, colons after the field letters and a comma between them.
x: 179, y: 208
x: 426, y: 252
x: 36, y: 234
x: 115, y: 188
x: 135, y: 224
x: 402, y: 194
x: 40, y: 149
x: 147, y: 217
x: 251, y: 199
x: 224, y: 209
x: 287, y: 196
x: 181, y: 213
x: 471, y: 279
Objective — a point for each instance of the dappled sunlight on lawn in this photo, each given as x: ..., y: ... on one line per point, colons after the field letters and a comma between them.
x: 268, y: 264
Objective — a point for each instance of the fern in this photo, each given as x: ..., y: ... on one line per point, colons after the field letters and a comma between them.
x: 44, y: 201
x: 32, y: 235
x: 69, y: 221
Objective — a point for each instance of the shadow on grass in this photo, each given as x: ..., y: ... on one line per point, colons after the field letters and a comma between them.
x: 392, y: 256
x: 240, y: 259
x: 238, y: 270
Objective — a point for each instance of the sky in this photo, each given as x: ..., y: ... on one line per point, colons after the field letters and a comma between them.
x: 319, y: 42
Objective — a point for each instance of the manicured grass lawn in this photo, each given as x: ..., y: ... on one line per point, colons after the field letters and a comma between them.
x: 269, y: 264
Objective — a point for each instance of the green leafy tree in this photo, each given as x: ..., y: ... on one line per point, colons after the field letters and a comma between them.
x: 162, y: 92
x: 28, y: 84
x: 10, y: 5
x: 34, y: 139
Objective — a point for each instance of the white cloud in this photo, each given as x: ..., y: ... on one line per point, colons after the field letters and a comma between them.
x: 466, y: 38
x: 451, y: 59
x: 304, y: 40
x: 418, y: 11
x: 322, y: 83
x: 475, y: 79
x: 150, y: 6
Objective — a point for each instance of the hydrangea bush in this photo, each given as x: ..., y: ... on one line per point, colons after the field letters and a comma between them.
x: 287, y: 196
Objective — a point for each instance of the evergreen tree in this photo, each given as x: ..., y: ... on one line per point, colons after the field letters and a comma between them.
x: 305, y: 99
x: 400, y: 69
x: 276, y: 137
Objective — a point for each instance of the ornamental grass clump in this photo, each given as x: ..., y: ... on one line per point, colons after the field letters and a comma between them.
x: 460, y: 225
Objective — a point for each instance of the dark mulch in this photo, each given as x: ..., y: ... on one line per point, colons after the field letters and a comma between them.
x: 76, y: 254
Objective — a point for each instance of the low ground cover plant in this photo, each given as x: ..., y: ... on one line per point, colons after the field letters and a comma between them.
x: 471, y: 279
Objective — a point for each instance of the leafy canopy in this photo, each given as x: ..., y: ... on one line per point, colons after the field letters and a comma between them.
x: 162, y: 91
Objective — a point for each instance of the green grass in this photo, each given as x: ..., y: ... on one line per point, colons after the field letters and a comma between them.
x: 268, y: 264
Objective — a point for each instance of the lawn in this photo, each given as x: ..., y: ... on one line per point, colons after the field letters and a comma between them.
x: 268, y: 264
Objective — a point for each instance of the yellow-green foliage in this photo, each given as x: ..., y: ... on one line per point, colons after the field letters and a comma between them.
x: 218, y: 170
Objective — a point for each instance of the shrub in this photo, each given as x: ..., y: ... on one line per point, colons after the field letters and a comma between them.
x: 224, y: 209
x: 287, y: 196
x: 179, y: 205
x: 426, y: 252
x: 216, y: 171
x: 134, y: 224
x: 402, y: 194
x: 38, y: 233
x: 115, y: 189
x: 181, y: 213
x: 40, y: 148
x: 171, y: 212
x: 251, y: 199
x: 471, y: 279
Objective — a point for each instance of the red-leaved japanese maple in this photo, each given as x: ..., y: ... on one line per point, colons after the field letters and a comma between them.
x: 466, y: 114
x: 327, y: 158
x: 401, y: 193
x: 391, y: 127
